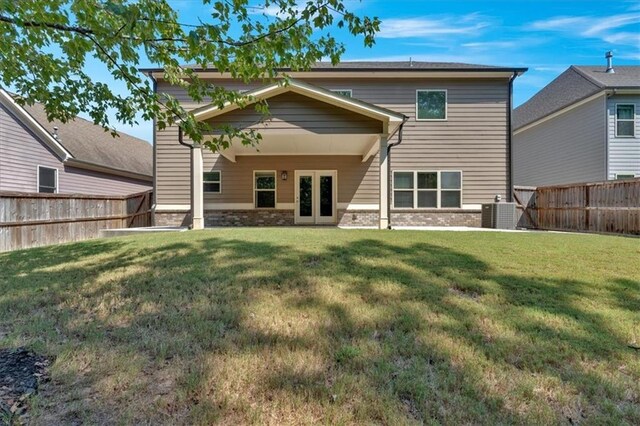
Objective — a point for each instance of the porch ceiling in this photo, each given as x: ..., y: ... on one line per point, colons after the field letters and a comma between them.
x: 365, y: 145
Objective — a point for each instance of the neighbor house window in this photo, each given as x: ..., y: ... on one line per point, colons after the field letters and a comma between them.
x: 622, y: 176
x: 265, y: 189
x: 431, y: 104
x: 47, y: 180
x: 344, y: 92
x: 212, y: 182
x: 428, y: 189
x: 625, y: 120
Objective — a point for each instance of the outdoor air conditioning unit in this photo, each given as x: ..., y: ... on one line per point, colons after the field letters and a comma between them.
x: 499, y: 215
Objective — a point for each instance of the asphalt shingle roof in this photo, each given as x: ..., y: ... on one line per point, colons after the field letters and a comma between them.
x: 89, y: 142
x: 573, y: 85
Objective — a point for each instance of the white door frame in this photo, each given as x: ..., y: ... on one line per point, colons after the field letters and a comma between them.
x: 315, y: 218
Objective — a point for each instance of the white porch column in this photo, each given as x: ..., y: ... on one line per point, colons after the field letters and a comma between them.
x: 384, y: 183
x: 197, y: 199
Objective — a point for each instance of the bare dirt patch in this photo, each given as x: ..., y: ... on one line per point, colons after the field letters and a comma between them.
x: 21, y: 371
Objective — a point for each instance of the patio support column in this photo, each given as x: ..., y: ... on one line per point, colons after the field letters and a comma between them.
x: 384, y: 184
x: 197, y: 199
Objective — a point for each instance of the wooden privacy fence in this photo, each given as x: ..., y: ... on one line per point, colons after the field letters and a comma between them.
x: 602, y: 207
x: 30, y: 220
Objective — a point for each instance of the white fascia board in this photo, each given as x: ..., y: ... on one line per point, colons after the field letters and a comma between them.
x: 158, y: 75
x: 37, y: 128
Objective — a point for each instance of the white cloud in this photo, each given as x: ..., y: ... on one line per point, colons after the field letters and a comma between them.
x: 428, y: 27
x: 607, y: 28
x: 491, y: 45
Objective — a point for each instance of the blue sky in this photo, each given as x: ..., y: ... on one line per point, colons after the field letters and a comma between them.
x: 547, y: 36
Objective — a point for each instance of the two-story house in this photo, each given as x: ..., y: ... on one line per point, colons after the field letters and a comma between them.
x: 581, y: 127
x: 77, y: 157
x: 357, y: 144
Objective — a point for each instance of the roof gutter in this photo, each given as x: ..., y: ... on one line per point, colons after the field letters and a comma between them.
x: 392, y: 145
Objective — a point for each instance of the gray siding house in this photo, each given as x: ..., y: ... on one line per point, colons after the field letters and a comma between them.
x: 77, y: 157
x: 582, y: 127
x: 357, y: 144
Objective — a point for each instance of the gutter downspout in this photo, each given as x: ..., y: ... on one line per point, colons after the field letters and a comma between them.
x: 391, y: 145
x: 510, y: 135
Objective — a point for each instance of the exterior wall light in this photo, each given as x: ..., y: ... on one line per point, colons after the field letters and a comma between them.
x: 284, y: 175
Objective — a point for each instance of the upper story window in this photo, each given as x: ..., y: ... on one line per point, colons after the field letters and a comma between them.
x: 264, y: 189
x: 212, y: 182
x: 431, y: 104
x: 344, y: 92
x: 427, y: 189
x: 625, y: 120
x: 47, y: 180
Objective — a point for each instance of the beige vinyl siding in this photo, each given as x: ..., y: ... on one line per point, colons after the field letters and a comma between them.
x: 357, y: 181
x: 473, y: 139
x: 21, y: 152
x: 624, y: 153
x: 299, y: 114
x: 567, y: 148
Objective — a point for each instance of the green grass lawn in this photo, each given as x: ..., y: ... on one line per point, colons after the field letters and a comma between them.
x: 307, y: 326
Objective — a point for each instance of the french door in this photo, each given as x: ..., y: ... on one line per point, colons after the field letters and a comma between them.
x: 316, y: 196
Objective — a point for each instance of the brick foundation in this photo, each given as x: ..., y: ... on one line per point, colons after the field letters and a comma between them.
x: 345, y: 218
x: 436, y: 218
x: 358, y: 218
x: 248, y: 217
x: 172, y: 218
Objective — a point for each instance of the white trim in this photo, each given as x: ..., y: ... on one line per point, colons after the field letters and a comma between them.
x: 560, y: 112
x: 615, y: 120
x: 438, y: 190
x: 446, y: 104
x: 228, y: 155
x: 219, y: 181
x: 356, y: 206
x: 7, y: 100
x: 171, y: 207
x: 38, y: 167
x: 373, y: 150
x: 471, y: 206
x: 275, y: 190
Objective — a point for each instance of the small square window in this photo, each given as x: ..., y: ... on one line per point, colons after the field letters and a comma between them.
x: 47, y: 180
x: 427, y: 180
x: 403, y: 180
x: 431, y: 104
x: 211, y: 182
x: 344, y: 92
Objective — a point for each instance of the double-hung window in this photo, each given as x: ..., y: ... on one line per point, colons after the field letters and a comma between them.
x: 625, y: 120
x: 431, y: 105
x: 47, y: 179
x: 212, y: 182
x: 427, y: 189
x: 264, y: 188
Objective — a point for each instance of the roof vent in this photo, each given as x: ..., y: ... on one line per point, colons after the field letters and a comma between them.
x: 410, y: 61
x: 609, y: 57
x: 55, y: 132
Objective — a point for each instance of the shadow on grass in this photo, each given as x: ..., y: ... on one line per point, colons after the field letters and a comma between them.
x: 394, y: 333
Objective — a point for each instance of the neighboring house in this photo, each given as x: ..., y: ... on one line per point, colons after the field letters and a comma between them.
x: 77, y: 157
x: 324, y: 155
x: 582, y: 127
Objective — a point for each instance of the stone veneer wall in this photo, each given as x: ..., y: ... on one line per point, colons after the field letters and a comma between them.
x: 248, y: 217
x: 172, y: 218
x: 345, y: 218
x: 441, y: 217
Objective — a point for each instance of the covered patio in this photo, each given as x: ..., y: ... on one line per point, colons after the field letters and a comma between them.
x: 313, y: 136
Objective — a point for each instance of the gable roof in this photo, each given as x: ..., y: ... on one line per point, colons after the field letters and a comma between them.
x: 573, y: 85
x: 84, y: 143
x: 363, y: 66
x: 309, y: 90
